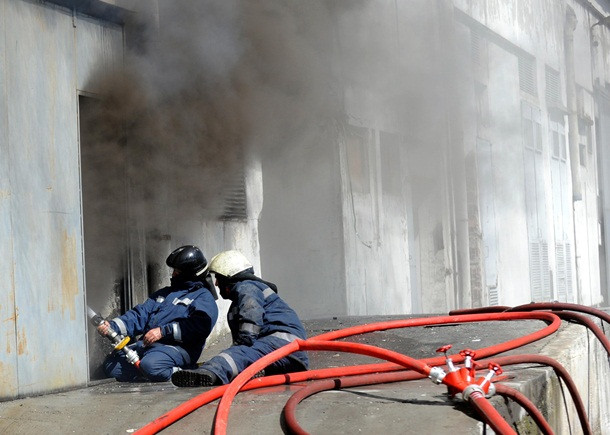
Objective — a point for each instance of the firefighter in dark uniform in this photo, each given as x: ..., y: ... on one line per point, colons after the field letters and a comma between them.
x: 260, y: 322
x: 174, y: 321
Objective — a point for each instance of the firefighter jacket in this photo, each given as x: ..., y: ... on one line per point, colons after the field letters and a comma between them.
x: 185, y: 311
x: 257, y: 311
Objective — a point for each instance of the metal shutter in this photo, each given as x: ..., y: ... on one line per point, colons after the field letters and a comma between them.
x: 234, y: 195
x: 527, y: 74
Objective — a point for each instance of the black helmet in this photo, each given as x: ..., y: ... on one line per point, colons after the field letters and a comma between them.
x: 187, y: 259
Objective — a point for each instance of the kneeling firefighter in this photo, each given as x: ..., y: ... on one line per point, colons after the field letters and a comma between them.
x: 174, y: 321
x: 260, y: 322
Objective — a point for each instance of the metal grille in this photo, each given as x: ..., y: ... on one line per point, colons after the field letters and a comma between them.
x: 563, y: 251
x: 527, y: 74
x: 475, y: 46
x: 493, y: 296
x: 568, y: 263
x: 553, y: 87
x: 235, y: 198
x: 561, y: 273
x: 535, y: 272
x: 539, y: 271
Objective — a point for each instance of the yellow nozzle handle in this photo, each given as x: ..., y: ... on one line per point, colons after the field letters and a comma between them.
x: 122, y: 344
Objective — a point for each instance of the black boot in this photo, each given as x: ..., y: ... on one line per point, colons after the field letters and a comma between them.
x: 195, y: 378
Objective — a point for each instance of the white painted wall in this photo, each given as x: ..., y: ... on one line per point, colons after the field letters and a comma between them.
x: 301, y: 226
x: 507, y: 157
x: 536, y: 28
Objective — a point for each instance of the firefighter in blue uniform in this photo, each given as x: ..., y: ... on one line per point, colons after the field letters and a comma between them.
x: 174, y: 321
x: 260, y: 322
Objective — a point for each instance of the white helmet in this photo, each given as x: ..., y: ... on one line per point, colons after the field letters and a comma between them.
x: 229, y: 263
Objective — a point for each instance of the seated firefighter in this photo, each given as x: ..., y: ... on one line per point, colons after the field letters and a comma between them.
x: 260, y: 322
x: 174, y: 321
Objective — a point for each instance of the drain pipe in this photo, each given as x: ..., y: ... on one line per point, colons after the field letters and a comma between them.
x: 573, y: 137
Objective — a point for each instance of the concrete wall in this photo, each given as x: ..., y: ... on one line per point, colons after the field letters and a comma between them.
x: 375, y: 174
x: 509, y: 31
x: 50, y: 57
x: 587, y: 363
x: 508, y: 178
x: 585, y: 211
x: 531, y: 246
x: 301, y: 227
x: 216, y: 236
x: 47, y: 56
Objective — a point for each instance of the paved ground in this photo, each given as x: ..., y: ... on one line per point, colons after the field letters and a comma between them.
x: 109, y: 407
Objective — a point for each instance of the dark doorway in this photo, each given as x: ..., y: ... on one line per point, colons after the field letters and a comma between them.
x: 104, y: 220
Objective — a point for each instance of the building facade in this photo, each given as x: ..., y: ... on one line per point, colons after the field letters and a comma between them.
x: 399, y: 158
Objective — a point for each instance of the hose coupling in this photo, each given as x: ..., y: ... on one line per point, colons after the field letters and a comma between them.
x: 437, y: 375
x: 131, y: 355
x: 470, y: 390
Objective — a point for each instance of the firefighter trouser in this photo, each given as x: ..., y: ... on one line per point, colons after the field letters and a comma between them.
x: 232, y: 361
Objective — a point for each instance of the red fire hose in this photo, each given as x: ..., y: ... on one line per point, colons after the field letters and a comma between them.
x: 222, y: 413
x: 526, y: 404
x: 587, y: 322
x: 490, y: 414
x: 234, y: 387
x: 380, y: 378
x: 554, y: 306
x: 383, y: 378
x: 563, y: 306
x: 187, y: 407
x: 557, y: 308
x: 338, y: 383
x: 480, y: 403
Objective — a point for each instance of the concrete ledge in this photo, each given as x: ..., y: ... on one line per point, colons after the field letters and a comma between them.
x: 405, y: 407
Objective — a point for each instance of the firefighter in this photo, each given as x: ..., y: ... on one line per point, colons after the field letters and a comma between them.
x: 174, y: 321
x: 260, y: 322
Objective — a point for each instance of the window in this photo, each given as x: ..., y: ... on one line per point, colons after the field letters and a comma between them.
x: 562, y: 209
x: 553, y: 87
x: 535, y: 202
x: 532, y: 128
x: 584, y: 141
x: 558, y: 139
x: 527, y: 74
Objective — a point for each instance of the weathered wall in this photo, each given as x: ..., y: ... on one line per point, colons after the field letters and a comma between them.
x: 8, y: 357
x: 587, y: 363
x: 506, y: 33
x: 508, y: 178
x: 398, y: 251
x: 586, y: 211
x: 301, y: 228
x: 46, y: 57
x: 214, y: 237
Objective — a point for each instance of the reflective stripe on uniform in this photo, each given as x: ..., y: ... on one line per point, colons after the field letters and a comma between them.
x: 185, y: 301
x: 121, y: 325
x: 229, y: 359
x: 177, y: 331
x: 268, y: 292
x: 182, y: 352
x: 250, y: 327
x: 284, y: 336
